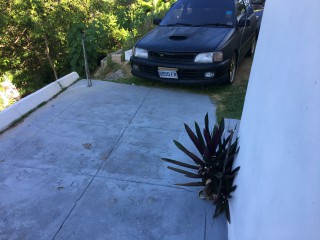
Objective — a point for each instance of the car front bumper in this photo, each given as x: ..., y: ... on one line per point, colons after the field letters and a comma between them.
x: 188, y: 73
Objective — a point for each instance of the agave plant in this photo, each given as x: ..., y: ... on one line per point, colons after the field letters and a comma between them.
x: 214, y: 168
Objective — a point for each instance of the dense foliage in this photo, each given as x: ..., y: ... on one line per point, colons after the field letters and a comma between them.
x: 40, y: 40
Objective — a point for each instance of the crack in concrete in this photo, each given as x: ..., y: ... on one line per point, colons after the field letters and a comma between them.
x: 205, y: 224
x: 92, y: 179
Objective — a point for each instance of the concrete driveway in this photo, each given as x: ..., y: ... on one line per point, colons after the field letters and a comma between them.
x: 87, y: 166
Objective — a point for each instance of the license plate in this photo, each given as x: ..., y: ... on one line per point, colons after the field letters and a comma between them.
x: 168, y: 72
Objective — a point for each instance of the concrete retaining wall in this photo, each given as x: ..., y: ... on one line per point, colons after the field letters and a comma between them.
x: 27, y: 104
x: 67, y: 80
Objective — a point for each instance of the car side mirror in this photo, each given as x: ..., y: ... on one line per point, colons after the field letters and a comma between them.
x: 157, y: 21
x: 244, y: 22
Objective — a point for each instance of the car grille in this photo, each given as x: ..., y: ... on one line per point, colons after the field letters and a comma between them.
x: 149, y: 70
x: 190, y: 74
x: 172, y: 57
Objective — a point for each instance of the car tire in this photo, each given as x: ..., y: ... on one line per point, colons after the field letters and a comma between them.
x: 232, y: 68
x: 253, y: 46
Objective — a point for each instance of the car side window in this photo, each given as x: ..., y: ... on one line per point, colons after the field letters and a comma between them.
x: 241, y: 9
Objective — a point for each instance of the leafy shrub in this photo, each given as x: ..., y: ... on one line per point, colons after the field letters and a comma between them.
x: 215, y: 166
x: 139, y: 18
x: 41, y: 40
x: 76, y: 50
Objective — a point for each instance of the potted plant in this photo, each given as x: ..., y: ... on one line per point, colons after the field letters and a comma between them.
x: 213, y: 167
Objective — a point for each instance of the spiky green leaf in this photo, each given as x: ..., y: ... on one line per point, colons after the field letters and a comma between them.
x: 207, y: 155
x: 196, y: 159
x: 182, y: 164
x: 209, y: 143
x: 219, y: 209
x: 214, y: 131
x: 227, y: 211
x: 199, y: 134
x: 194, y: 139
x: 233, y: 189
x: 224, y: 144
x: 229, y: 176
x: 197, y: 176
x: 231, y: 157
x: 221, y: 126
x: 235, y: 171
x: 183, y: 171
x: 217, y: 138
x: 206, y: 122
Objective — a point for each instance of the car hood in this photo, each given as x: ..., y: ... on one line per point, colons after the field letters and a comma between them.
x: 183, y: 39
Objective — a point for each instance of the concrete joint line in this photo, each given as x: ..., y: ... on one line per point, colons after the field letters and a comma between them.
x: 60, y: 86
x: 147, y: 183
x: 147, y: 95
x: 67, y: 107
x: 73, y: 207
x: 89, y: 184
x: 205, y: 224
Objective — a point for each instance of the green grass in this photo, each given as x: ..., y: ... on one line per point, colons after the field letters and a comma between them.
x: 229, y: 99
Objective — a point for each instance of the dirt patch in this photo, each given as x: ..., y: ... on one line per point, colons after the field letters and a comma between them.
x: 113, y: 71
x: 119, y: 74
x: 243, y: 72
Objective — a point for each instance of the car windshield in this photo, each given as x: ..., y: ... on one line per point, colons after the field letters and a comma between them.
x: 200, y: 13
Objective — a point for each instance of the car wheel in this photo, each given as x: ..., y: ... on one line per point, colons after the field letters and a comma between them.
x: 232, y: 68
x: 253, y: 47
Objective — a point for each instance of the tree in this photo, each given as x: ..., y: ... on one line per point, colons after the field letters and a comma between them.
x: 41, y: 40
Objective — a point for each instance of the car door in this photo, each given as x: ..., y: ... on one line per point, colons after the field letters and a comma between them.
x: 245, y: 31
x: 250, y: 31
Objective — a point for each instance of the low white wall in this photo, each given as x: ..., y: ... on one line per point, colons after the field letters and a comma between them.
x: 7, y: 117
x: 67, y: 80
x: 278, y: 194
x: 25, y: 105
x: 127, y: 55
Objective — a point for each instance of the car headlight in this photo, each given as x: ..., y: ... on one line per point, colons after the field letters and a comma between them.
x: 209, y: 57
x: 140, y: 52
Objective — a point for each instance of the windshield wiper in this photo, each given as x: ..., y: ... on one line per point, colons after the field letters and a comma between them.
x: 179, y: 24
x: 213, y: 24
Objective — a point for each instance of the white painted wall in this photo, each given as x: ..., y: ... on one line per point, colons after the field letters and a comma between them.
x: 278, y: 195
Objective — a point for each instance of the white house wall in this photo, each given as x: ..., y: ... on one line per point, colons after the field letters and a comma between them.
x: 278, y: 195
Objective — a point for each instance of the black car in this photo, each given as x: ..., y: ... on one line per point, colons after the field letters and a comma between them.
x: 258, y: 4
x: 258, y: 7
x: 198, y: 41
x: 259, y: 14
